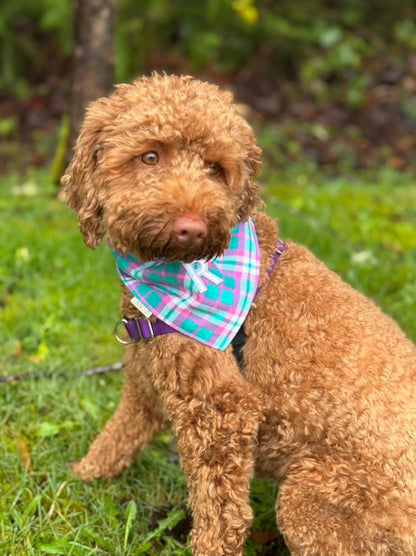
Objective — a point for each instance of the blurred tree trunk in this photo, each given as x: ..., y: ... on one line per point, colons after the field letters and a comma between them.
x: 93, y: 59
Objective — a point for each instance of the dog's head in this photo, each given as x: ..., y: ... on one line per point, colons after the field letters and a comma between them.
x: 165, y: 166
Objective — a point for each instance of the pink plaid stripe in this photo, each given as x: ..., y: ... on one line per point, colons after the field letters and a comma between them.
x: 208, y: 301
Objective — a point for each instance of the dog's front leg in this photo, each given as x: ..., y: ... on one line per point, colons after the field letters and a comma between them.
x: 215, y: 415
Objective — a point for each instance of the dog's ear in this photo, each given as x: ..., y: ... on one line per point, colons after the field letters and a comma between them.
x: 82, y: 179
x: 250, y: 198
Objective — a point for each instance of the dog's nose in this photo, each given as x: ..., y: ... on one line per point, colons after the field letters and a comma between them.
x: 190, y: 230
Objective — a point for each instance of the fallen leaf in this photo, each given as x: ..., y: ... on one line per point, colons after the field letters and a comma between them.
x: 25, y: 454
x: 17, y: 350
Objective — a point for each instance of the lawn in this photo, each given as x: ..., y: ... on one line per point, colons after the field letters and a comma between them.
x: 59, y: 302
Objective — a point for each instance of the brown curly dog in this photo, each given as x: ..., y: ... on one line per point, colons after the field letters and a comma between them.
x: 324, y: 400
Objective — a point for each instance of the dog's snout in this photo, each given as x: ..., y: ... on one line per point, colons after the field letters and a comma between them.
x: 190, y: 230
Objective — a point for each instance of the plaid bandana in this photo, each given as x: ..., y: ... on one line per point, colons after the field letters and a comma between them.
x: 206, y: 300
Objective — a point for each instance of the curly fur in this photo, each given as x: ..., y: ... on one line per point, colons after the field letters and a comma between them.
x: 326, y: 400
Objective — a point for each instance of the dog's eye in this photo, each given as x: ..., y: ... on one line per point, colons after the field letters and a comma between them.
x: 150, y: 158
x: 213, y: 168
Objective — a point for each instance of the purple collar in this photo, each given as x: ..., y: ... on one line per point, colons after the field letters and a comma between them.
x: 281, y: 246
x: 144, y: 329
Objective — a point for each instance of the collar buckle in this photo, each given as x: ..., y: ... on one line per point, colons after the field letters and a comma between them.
x: 137, y: 329
x: 144, y: 334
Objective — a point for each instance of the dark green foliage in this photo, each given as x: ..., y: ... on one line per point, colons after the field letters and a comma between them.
x: 321, y: 41
x: 33, y: 35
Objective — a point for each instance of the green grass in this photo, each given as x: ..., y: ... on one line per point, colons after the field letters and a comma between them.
x: 59, y: 302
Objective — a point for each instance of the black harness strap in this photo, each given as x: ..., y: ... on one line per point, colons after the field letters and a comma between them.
x: 238, y: 343
x: 240, y: 338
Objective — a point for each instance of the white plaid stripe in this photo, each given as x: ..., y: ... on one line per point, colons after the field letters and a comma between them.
x: 174, y: 299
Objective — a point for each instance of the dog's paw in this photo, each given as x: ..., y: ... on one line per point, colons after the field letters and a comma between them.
x: 84, y: 471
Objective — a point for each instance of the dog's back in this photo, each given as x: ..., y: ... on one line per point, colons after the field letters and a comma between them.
x: 339, y: 383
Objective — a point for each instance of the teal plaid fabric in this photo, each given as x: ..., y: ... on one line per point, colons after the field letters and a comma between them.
x: 206, y: 300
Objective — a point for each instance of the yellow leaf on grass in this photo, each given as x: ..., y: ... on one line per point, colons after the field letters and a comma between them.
x: 24, y: 452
